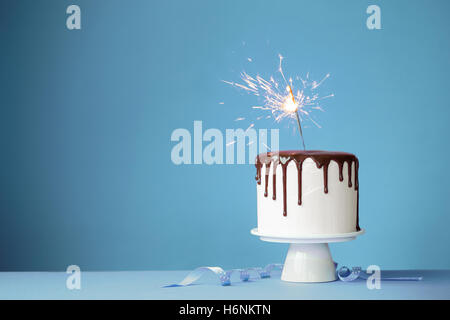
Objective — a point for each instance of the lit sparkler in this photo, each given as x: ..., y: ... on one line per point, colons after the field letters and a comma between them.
x: 280, y: 100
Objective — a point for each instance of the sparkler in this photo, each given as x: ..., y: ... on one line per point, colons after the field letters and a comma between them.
x: 284, y: 103
x: 297, y: 116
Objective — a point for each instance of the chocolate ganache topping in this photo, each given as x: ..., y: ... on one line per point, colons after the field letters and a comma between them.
x: 322, y: 160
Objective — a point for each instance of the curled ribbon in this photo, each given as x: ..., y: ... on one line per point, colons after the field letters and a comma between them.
x: 225, y: 276
x: 344, y: 274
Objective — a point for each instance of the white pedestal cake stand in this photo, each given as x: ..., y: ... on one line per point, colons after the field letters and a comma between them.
x: 309, y: 258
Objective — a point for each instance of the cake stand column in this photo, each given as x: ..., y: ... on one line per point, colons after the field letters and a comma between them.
x: 308, y: 262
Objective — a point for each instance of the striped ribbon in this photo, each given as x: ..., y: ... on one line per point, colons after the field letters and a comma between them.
x: 225, y: 276
x: 344, y: 274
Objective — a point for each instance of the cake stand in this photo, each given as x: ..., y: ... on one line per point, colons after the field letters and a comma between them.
x: 309, y: 258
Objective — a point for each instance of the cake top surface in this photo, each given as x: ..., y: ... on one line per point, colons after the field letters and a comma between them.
x: 307, y: 152
x: 319, y: 156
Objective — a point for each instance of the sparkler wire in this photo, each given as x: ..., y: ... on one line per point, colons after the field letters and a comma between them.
x: 300, y: 129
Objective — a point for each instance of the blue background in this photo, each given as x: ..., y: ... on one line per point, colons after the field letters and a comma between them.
x: 86, y: 118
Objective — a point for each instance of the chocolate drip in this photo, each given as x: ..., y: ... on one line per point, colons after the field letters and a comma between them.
x: 258, y: 166
x: 325, y: 173
x: 357, y: 212
x: 357, y: 194
x: 325, y: 177
x: 274, y: 180
x: 322, y: 160
x: 266, y: 179
x: 284, y: 169
x: 341, y: 176
x: 284, y: 164
x: 349, y: 174
x: 299, y: 170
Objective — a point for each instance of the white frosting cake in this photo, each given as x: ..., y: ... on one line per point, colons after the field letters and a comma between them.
x: 311, y: 193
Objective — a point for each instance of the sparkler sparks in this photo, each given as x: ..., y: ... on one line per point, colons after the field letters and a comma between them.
x: 279, y: 97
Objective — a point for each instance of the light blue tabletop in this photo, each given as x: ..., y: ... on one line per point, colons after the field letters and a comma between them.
x: 149, y: 285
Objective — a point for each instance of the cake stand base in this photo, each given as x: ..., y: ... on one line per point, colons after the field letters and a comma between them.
x: 309, y: 262
x: 309, y: 258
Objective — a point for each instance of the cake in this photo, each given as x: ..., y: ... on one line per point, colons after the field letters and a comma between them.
x: 307, y: 193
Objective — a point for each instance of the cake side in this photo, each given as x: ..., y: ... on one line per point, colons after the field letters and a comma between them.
x: 311, y: 192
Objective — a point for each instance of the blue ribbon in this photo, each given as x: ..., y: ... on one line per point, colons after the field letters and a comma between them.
x: 225, y: 276
x: 344, y: 274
